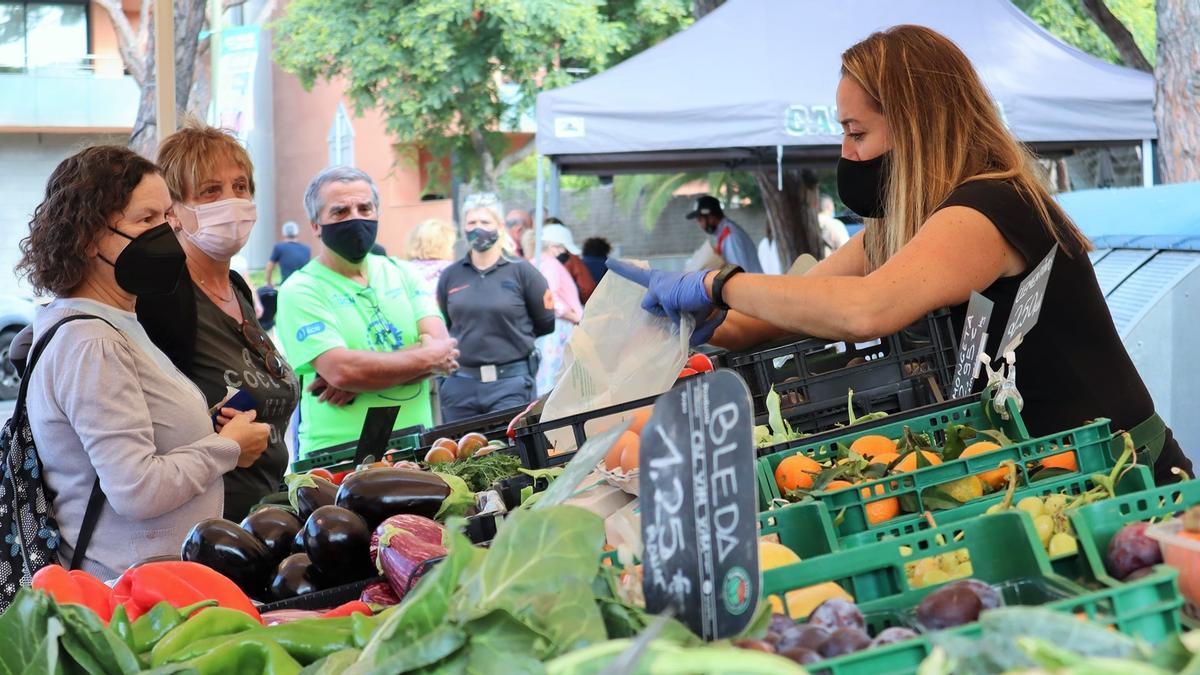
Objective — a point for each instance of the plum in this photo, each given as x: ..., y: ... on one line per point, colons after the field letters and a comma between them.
x: 1131, y: 549
x: 837, y: 613
x: 801, y: 655
x: 1139, y: 573
x: 949, y: 606
x: 780, y: 623
x: 892, y: 635
x: 988, y: 596
x: 756, y: 645
x: 807, y: 636
x: 845, y: 641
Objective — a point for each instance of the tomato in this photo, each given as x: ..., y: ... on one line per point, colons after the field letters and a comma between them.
x: 341, y: 476
x: 700, y: 363
x: 687, y: 372
x: 321, y: 473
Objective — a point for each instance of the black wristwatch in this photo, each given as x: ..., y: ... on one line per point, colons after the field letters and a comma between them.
x: 718, y: 285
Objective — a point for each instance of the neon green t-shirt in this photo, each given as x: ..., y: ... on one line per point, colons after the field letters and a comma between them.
x: 320, y: 310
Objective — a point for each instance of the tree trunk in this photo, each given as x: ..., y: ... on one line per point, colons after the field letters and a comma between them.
x: 1122, y: 39
x: 702, y: 7
x: 791, y: 214
x: 189, y: 18
x: 1177, y: 103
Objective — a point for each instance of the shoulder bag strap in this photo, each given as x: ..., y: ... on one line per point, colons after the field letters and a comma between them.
x: 96, y: 500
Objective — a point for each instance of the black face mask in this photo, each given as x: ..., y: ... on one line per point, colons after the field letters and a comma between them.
x: 563, y: 257
x: 351, y: 239
x: 152, y: 263
x: 863, y: 185
x: 482, y: 240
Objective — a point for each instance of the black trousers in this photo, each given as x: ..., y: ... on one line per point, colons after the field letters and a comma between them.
x: 1171, y: 455
x: 461, y: 397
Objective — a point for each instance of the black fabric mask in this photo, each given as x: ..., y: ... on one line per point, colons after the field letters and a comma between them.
x: 351, y: 239
x: 481, y: 239
x: 862, y: 186
x: 563, y: 257
x: 152, y: 263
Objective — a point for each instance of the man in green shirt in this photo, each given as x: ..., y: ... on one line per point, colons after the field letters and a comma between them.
x: 355, y: 326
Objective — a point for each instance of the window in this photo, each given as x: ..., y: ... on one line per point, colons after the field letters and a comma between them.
x: 43, y: 35
x: 341, y: 139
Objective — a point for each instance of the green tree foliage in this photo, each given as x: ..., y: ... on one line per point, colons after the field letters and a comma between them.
x: 448, y: 74
x: 1068, y: 22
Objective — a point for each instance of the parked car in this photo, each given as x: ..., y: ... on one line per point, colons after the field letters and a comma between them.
x: 15, y: 314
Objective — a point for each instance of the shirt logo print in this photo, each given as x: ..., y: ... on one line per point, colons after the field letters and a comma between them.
x: 456, y: 289
x: 309, y: 330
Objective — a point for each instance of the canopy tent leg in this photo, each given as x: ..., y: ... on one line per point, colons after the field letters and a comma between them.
x: 164, y: 67
x: 779, y: 168
x: 555, y: 189
x: 1147, y: 162
x: 538, y: 202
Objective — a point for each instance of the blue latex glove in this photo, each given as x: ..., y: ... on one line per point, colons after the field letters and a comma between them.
x: 671, y: 294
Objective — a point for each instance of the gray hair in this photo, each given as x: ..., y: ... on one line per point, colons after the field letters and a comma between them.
x: 334, y: 174
x: 291, y: 229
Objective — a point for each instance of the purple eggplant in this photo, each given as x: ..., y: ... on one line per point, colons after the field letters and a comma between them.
x: 292, y: 578
x: 232, y: 551
x: 307, y: 493
x: 338, y: 543
x: 401, y: 559
x: 379, y: 593
x: 426, y: 530
x: 274, y: 527
x: 376, y: 494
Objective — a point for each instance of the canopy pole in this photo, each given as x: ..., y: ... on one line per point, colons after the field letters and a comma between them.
x: 537, y: 208
x: 779, y: 168
x: 555, y: 189
x: 164, y: 67
x: 1147, y: 162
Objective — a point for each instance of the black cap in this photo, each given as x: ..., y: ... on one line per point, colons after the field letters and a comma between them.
x: 705, y: 205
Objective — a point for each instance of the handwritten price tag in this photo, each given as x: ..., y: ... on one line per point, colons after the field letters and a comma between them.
x: 1027, y: 305
x: 698, y: 506
x: 970, y: 345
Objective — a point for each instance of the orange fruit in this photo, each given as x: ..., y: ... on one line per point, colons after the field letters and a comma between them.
x: 837, y: 485
x: 995, y: 478
x: 796, y: 473
x: 612, y: 460
x: 872, y: 445
x: 885, y: 459
x: 881, y: 509
x: 640, y: 417
x: 1063, y: 460
x: 909, y: 463
x: 631, y: 454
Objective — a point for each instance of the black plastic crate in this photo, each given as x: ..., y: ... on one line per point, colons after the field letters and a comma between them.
x: 822, y: 417
x: 530, y: 434
x: 493, y: 425
x: 813, y: 374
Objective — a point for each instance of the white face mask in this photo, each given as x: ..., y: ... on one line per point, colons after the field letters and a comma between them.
x: 221, y: 228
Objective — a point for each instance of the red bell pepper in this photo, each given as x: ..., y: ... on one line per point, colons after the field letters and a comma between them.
x: 352, y: 607
x: 75, y: 587
x: 180, y: 584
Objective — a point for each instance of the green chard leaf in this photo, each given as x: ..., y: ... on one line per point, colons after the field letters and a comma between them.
x: 461, y: 498
x: 29, y: 636
x: 95, y: 648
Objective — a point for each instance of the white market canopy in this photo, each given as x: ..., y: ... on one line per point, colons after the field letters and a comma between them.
x: 755, y: 76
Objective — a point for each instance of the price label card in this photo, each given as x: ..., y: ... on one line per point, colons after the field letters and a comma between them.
x: 1027, y: 305
x: 970, y: 346
x: 698, y: 504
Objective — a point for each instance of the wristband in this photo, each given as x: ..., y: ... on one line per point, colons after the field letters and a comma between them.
x: 718, y: 285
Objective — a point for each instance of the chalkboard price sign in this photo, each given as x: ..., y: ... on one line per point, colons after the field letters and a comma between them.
x: 974, y: 335
x: 698, y: 503
x: 1027, y: 305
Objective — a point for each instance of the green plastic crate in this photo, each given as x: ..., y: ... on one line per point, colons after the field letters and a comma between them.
x: 399, y: 447
x: 1092, y: 443
x: 930, y: 419
x: 1005, y: 553
x: 805, y: 528
x: 1095, y: 524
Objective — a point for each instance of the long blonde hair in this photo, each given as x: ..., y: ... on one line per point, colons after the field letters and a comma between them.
x: 945, y: 130
x: 431, y: 239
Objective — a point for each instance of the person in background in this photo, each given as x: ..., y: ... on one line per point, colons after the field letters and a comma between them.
x: 517, y: 223
x: 595, y: 252
x: 568, y: 312
x: 430, y: 249
x: 557, y: 237
x: 208, y: 325
x: 728, y: 238
x: 833, y: 231
x: 768, y: 255
x: 288, y: 255
x: 105, y: 405
x: 356, y: 326
x: 496, y: 305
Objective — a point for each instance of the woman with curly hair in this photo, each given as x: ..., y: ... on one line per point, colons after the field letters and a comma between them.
x: 109, y: 412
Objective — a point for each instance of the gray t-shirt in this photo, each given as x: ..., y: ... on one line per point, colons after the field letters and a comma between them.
x: 225, y: 359
x: 107, y: 403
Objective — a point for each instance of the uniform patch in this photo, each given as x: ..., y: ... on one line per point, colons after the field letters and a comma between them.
x: 548, y: 299
x: 309, y: 330
x: 456, y: 289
